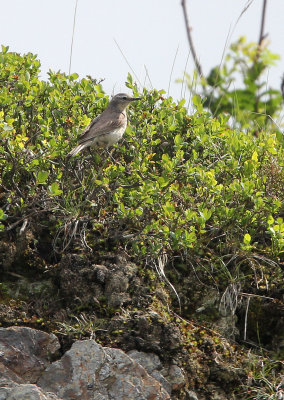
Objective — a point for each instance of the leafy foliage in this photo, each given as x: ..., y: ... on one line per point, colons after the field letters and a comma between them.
x: 176, y: 184
x: 238, y: 87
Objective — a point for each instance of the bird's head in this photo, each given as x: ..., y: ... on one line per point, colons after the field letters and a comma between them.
x: 122, y: 100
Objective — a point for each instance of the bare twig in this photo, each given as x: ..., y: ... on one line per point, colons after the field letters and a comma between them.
x: 246, y: 319
x: 261, y: 35
x: 23, y: 219
x: 190, y: 41
x: 23, y: 228
x: 160, y: 268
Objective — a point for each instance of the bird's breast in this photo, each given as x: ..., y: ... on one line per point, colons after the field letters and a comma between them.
x: 116, y: 135
x: 111, y: 137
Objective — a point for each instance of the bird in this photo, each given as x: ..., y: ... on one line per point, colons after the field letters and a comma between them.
x: 108, y: 127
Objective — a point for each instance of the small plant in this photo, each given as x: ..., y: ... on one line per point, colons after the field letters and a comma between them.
x: 264, y: 381
x: 239, y: 89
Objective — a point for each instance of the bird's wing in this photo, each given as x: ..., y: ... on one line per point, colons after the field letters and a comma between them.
x: 102, y: 125
x: 89, y: 126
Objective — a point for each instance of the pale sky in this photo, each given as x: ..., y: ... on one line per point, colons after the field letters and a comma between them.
x: 149, y: 32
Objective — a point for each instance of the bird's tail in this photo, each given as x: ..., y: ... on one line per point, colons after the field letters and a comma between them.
x: 76, y: 150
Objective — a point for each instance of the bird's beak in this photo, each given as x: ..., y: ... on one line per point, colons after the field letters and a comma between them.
x: 135, y: 98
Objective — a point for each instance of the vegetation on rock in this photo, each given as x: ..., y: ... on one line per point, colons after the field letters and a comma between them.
x: 200, y: 193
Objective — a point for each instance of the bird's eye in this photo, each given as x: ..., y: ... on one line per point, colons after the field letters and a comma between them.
x: 124, y: 98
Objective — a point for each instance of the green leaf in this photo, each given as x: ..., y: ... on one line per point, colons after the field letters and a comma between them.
x: 73, y: 77
x: 4, y: 49
x: 178, y: 140
x: 139, y: 211
x: 181, y: 103
x: 247, y: 239
x: 42, y: 177
x: 3, y: 216
x: 196, y: 99
x: 54, y: 189
x: 129, y: 78
x: 254, y: 156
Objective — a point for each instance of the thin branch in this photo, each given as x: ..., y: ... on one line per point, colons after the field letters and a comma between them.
x: 72, y: 40
x: 246, y: 319
x: 190, y: 41
x: 261, y: 35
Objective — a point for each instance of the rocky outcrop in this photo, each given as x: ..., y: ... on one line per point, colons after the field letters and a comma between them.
x: 89, y: 371
x: 86, y: 371
x: 13, y: 391
x: 25, y: 353
x: 142, y: 348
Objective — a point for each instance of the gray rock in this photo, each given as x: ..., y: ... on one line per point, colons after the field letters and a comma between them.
x: 7, y: 375
x: 171, y: 378
x: 153, y: 366
x: 89, y: 371
x: 149, y: 361
x: 25, y: 391
x: 25, y: 352
x: 176, y: 377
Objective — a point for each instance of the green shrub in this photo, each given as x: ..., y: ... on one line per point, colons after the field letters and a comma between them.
x: 177, y: 183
